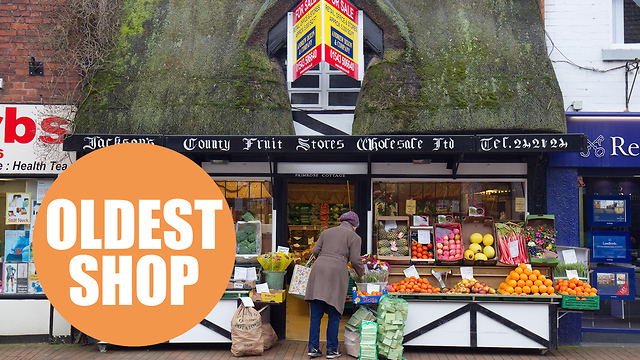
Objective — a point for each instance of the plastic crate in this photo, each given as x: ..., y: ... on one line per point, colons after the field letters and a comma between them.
x: 571, y: 302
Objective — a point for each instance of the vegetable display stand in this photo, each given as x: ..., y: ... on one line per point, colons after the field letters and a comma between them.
x: 482, y: 324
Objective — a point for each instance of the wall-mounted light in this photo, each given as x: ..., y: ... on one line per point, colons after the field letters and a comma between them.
x: 36, y: 68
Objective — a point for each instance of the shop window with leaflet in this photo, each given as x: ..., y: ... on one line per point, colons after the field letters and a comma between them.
x: 19, y: 205
x: 613, y: 314
x: 251, y: 204
x: 456, y: 199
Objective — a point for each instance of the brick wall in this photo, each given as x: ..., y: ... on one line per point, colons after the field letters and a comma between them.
x: 23, y: 27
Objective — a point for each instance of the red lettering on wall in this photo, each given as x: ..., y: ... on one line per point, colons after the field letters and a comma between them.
x: 54, y: 126
x: 11, y: 125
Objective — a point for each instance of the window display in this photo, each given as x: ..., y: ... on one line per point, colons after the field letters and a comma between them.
x: 250, y: 203
x: 449, y: 201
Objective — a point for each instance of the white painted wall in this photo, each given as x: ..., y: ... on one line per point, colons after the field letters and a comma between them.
x: 580, y: 31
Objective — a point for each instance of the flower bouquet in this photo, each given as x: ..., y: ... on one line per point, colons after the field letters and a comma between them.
x: 541, y: 244
x: 376, y: 271
x: 275, y: 261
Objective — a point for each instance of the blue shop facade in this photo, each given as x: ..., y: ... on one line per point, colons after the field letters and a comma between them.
x: 595, y: 197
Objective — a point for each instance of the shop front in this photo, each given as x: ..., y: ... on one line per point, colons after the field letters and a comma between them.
x: 607, y: 218
x: 27, y: 170
x: 290, y: 188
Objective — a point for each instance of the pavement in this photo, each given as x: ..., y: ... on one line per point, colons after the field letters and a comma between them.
x: 288, y: 350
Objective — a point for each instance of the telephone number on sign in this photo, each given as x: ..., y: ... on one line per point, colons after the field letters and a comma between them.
x: 497, y: 143
x: 307, y: 59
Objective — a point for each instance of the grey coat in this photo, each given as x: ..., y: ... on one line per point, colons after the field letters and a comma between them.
x: 329, y: 277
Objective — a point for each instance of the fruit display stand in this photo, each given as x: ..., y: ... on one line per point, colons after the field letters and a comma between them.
x: 479, y: 320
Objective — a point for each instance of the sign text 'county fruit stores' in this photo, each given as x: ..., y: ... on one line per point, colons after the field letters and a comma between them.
x: 325, y: 30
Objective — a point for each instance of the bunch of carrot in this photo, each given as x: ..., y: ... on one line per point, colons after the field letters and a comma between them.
x: 509, y: 232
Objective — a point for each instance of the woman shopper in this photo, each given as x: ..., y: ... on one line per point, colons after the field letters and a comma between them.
x: 329, y: 280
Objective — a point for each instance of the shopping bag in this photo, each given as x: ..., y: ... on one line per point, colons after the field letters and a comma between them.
x: 246, y: 332
x: 299, y: 279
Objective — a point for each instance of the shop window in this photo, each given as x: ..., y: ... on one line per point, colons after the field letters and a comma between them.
x: 311, y: 208
x: 626, y: 22
x: 18, y: 206
x: 253, y: 196
x: 499, y: 200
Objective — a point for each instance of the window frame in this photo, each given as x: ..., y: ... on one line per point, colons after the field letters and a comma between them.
x: 323, y: 90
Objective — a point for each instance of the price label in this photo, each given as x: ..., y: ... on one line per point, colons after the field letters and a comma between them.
x: 569, y: 256
x: 247, y: 302
x: 240, y: 273
x: 529, y: 267
x: 372, y: 287
x: 424, y: 236
x: 572, y: 274
x: 514, y: 249
x: 466, y: 272
x: 251, y: 274
x: 283, y: 249
x: 411, y: 271
x: 238, y: 285
x: 262, y: 288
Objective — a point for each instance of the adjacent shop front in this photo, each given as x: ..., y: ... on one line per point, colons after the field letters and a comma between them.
x: 290, y: 188
x: 608, y: 226
x: 31, y: 158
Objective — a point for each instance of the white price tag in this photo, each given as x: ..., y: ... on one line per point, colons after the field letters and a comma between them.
x: 411, y: 271
x: 283, y: 249
x: 262, y: 288
x: 466, y: 272
x: 240, y: 273
x: 529, y: 267
x: 390, y: 224
x: 251, y: 274
x: 424, y: 237
x: 372, y: 287
x: 572, y: 274
x: 247, y: 302
x: 238, y: 285
x: 569, y: 256
x: 514, y: 249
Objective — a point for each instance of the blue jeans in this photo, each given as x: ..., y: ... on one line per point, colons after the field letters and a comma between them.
x: 317, y: 310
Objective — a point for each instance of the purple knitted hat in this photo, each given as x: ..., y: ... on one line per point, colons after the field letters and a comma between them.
x: 351, y: 217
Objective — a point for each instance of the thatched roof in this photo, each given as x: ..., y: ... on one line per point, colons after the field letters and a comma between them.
x: 200, y: 67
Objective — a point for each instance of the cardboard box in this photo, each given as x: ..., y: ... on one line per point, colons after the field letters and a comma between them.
x: 272, y: 296
x: 482, y: 225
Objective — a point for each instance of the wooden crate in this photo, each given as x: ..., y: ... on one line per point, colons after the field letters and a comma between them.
x: 385, y: 225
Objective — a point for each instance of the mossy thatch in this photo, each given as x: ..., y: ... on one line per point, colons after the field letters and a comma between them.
x: 466, y: 66
x: 200, y: 67
x: 183, y: 67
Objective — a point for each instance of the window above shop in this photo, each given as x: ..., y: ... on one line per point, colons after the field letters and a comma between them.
x: 626, y: 31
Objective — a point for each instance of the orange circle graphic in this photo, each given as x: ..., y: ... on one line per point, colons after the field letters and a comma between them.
x: 134, y: 244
